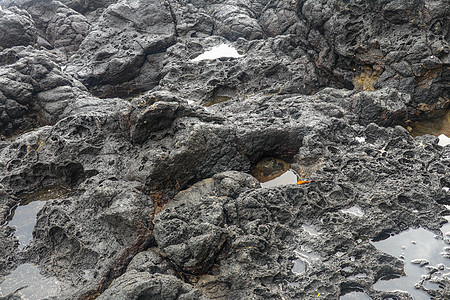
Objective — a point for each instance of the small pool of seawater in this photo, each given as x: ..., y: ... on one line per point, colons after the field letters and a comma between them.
x: 26, y: 278
x: 439, y: 127
x: 288, y: 177
x: 32, y: 284
x: 23, y: 221
x: 272, y: 172
x: 420, y: 249
x: 310, y: 229
x: 354, y: 210
x: 219, y: 51
x: 23, y: 216
x: 445, y: 229
x: 444, y: 140
x: 304, y: 260
x: 355, y: 296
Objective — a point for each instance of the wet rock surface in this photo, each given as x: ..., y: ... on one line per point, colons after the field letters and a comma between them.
x: 144, y: 154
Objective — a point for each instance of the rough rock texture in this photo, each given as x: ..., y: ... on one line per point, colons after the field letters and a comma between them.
x: 143, y: 285
x: 137, y: 34
x: 63, y: 28
x: 143, y: 154
x: 28, y: 77
x: 17, y: 28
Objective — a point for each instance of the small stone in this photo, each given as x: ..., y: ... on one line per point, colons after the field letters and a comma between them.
x: 425, y: 277
x: 431, y: 269
x: 420, y: 261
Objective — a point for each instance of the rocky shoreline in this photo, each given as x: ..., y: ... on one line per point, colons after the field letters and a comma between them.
x: 143, y: 155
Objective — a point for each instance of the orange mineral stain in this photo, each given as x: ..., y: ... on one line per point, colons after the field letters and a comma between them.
x: 302, y: 182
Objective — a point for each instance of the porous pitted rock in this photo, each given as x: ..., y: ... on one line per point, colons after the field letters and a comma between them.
x: 87, y: 6
x: 225, y: 226
x: 150, y: 196
x: 116, y: 216
x: 385, y: 107
x: 58, y: 27
x: 235, y: 21
x: 271, y: 66
x: 193, y: 243
x: 146, y: 271
x: 406, y: 49
x: 151, y: 261
x: 77, y: 168
x: 8, y: 243
x: 264, y: 226
x: 8, y: 258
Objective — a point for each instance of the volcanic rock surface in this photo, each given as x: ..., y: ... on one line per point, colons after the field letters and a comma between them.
x: 144, y: 154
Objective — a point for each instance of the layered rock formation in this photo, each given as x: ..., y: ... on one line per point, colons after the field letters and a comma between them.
x: 143, y: 154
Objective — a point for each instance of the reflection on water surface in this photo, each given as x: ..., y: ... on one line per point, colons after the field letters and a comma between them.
x: 287, y: 177
x: 419, y: 248
x: 355, y: 296
x: 24, y: 220
x: 32, y: 284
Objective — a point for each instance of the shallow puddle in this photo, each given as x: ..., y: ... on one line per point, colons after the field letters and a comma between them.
x: 419, y: 248
x: 287, y: 177
x: 23, y: 216
x: 357, y: 276
x: 443, y: 140
x: 31, y: 283
x: 310, y: 229
x: 439, y: 127
x: 355, y: 296
x: 445, y: 229
x: 218, y: 52
x: 272, y: 172
x: 24, y: 219
x: 354, y: 210
x: 299, y: 266
x: 303, y: 261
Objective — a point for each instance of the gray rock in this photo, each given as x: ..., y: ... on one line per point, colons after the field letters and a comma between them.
x: 267, y: 66
x: 35, y: 91
x: 143, y: 285
x: 235, y: 21
x: 57, y: 26
x: 64, y: 28
x: 192, y: 243
x: 151, y: 197
x: 125, y: 43
x: 86, y: 6
x: 359, y: 36
x: 264, y: 225
x: 8, y: 244
x: 151, y: 261
x: 27, y: 72
x: 384, y: 107
x: 16, y: 28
